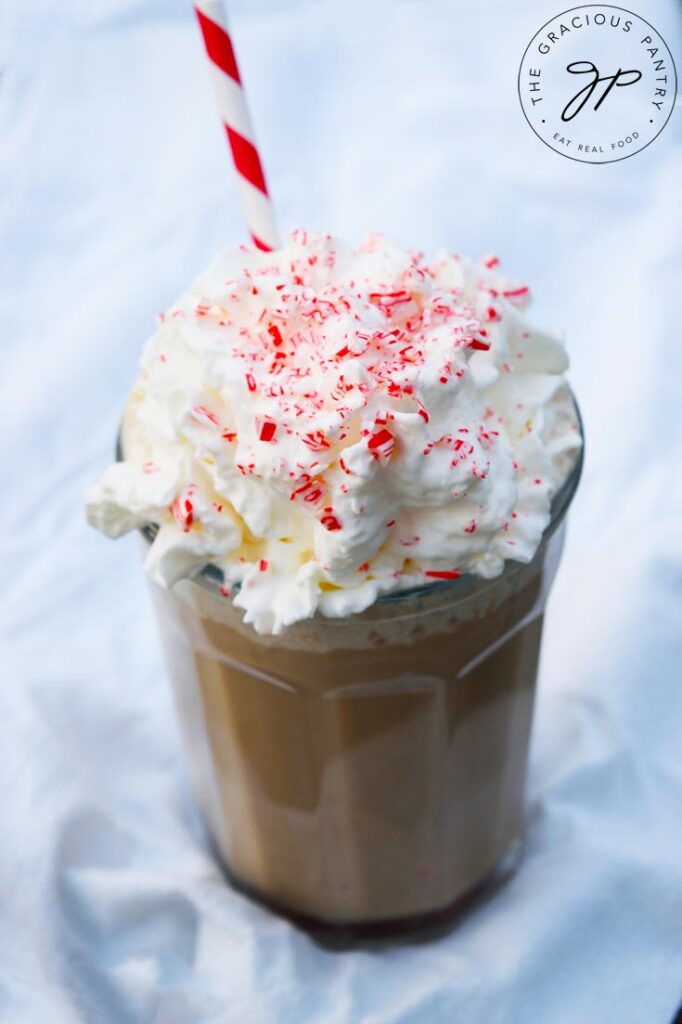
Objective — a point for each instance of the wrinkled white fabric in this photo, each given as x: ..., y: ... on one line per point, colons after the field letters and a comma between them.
x: 116, y: 186
x: 328, y: 423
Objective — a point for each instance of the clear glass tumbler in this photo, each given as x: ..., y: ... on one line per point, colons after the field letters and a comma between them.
x: 365, y: 774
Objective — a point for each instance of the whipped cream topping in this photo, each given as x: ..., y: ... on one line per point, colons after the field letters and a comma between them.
x: 326, y: 424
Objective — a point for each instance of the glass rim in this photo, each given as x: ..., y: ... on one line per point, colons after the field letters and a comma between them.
x: 212, y: 577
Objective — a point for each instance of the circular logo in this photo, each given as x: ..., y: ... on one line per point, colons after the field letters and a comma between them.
x: 597, y: 83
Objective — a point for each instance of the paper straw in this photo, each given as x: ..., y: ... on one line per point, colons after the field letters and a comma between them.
x: 234, y: 113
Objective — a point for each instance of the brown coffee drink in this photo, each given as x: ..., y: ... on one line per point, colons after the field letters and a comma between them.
x: 351, y: 465
x: 370, y: 769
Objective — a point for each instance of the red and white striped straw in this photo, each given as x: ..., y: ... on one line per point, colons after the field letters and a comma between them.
x: 232, y: 107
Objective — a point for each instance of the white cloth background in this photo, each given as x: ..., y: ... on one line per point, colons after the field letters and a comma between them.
x: 115, y: 189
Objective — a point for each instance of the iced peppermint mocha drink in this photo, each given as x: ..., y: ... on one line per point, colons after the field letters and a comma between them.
x: 354, y: 464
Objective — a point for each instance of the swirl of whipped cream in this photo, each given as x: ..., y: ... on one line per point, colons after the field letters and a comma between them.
x: 326, y: 424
